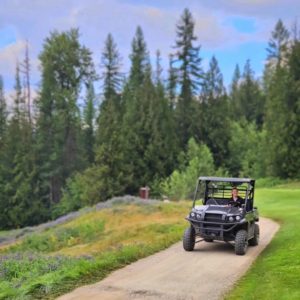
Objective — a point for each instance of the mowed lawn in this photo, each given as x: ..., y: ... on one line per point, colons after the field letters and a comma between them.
x: 85, y: 250
x: 276, y: 273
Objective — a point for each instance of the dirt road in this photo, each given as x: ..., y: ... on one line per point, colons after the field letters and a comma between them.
x: 206, y: 273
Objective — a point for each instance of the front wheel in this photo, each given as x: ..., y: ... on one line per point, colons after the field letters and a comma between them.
x: 189, y: 239
x: 241, y: 242
x: 255, y: 240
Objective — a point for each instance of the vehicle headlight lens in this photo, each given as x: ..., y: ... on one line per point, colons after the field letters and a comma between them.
x: 192, y: 215
x: 231, y: 219
x: 238, y: 218
x: 198, y: 217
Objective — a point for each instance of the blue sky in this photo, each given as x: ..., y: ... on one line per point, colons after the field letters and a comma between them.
x: 233, y: 31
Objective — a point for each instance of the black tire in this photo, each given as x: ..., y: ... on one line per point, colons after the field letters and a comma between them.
x: 189, y: 239
x: 208, y: 240
x: 255, y: 240
x: 241, y: 242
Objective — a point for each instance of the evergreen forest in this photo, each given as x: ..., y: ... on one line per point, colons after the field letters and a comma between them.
x: 94, y: 132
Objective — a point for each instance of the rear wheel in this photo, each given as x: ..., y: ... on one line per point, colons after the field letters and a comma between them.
x: 255, y: 240
x: 241, y: 242
x: 189, y: 239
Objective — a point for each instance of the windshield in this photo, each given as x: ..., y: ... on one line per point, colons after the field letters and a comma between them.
x: 219, y: 193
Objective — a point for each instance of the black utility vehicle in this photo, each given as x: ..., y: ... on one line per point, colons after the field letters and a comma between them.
x: 215, y: 216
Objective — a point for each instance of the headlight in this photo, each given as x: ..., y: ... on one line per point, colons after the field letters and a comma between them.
x: 192, y: 215
x: 238, y: 218
x: 231, y: 219
x: 198, y: 217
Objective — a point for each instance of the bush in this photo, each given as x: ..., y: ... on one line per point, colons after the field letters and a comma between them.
x: 269, y: 182
x: 246, y: 148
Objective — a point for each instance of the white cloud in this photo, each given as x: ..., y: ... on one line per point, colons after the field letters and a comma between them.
x: 9, y: 56
x: 34, y: 19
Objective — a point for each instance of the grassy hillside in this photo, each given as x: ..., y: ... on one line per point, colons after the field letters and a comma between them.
x: 86, y: 249
x: 276, y: 273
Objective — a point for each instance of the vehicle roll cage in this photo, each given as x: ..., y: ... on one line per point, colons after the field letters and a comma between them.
x: 219, y: 189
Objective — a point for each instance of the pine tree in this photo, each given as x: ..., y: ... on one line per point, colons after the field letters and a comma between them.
x: 189, y: 73
x: 234, y: 92
x: 22, y: 207
x: 278, y: 44
x: 158, y: 68
x: 89, y: 118
x: 215, y: 113
x: 234, y: 86
x: 25, y: 69
x: 3, y: 170
x: 66, y: 66
x: 108, y: 169
x: 160, y: 141
x: 132, y: 133
x: 277, y: 53
x: 213, y: 86
x: 282, y: 118
x: 139, y: 58
x: 250, y: 102
x: 3, y: 112
x: 291, y: 163
x: 111, y: 64
x: 172, y: 82
x: 18, y: 99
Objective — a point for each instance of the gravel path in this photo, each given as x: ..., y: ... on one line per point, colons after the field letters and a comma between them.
x: 206, y: 273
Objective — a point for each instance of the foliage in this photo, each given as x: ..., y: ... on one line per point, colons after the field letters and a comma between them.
x: 215, y: 125
x: 65, y: 65
x: 3, y: 112
x: 181, y: 183
x: 282, y: 118
x: 89, y: 123
x: 188, y: 76
x: 60, y: 152
x: 246, y: 150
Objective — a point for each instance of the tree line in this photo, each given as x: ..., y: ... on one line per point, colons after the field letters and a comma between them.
x: 62, y: 151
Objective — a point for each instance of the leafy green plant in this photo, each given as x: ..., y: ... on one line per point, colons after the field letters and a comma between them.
x: 181, y: 183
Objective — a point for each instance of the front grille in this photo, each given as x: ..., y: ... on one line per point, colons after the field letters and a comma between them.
x: 213, y: 217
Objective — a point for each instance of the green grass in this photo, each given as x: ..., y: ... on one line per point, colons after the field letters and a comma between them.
x: 85, y: 250
x: 276, y: 273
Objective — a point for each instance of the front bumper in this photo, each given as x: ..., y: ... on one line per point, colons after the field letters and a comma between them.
x: 214, y: 230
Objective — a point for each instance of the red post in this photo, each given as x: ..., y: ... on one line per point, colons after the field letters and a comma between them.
x: 144, y: 192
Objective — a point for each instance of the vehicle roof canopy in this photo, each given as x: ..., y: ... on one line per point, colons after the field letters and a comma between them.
x: 227, y: 179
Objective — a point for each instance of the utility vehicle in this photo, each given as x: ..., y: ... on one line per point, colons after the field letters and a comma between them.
x: 216, y: 217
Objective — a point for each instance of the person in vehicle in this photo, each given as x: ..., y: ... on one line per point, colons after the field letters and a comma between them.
x: 235, y: 199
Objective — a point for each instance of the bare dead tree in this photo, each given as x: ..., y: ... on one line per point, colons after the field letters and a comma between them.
x: 26, y: 71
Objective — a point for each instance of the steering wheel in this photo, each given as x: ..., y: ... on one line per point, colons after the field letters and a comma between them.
x: 234, y: 203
